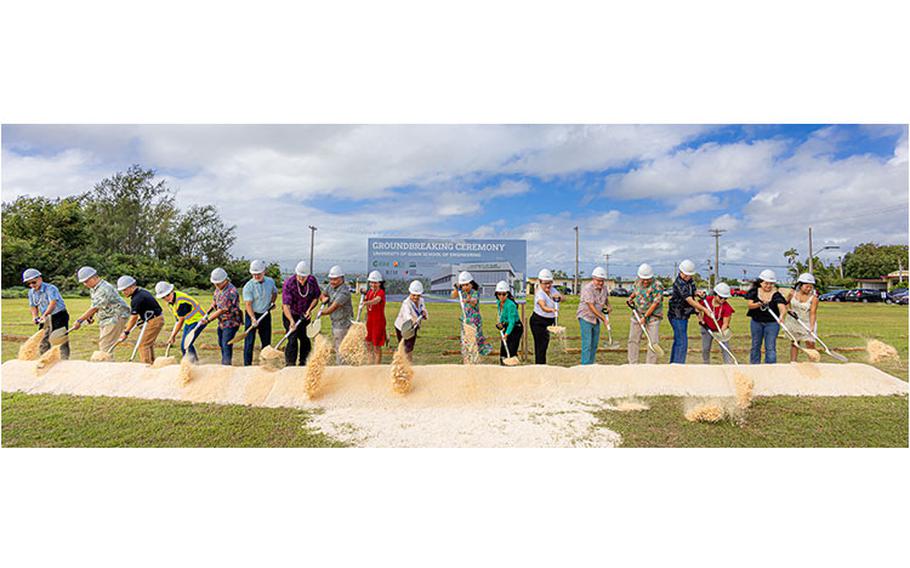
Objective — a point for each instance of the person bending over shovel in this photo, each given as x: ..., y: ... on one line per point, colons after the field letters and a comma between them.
x: 107, y: 307
x: 593, y: 305
x: 48, y: 309
x: 299, y: 297
x: 259, y: 294
x: 647, y: 298
x: 468, y: 289
x: 412, y: 311
x: 226, y: 309
x: 802, y: 315
x: 720, y: 312
x: 142, y: 307
x: 188, y: 315
x: 762, y: 297
x: 340, y: 310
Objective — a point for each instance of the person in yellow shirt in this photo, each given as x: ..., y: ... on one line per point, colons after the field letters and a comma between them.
x: 188, y: 314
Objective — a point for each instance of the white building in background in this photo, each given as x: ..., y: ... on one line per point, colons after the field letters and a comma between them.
x: 486, y: 274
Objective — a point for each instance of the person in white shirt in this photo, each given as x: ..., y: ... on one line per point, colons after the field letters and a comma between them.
x: 413, y: 310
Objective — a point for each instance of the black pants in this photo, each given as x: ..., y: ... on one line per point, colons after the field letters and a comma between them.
x: 539, y: 327
x: 513, y: 341
x: 58, y: 321
x: 265, y: 336
x: 298, y: 342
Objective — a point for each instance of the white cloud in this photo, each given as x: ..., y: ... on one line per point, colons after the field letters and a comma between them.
x: 725, y: 222
x: 696, y: 203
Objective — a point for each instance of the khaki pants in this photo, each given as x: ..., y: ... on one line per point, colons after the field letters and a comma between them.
x: 108, y: 334
x: 147, y: 345
x: 635, y: 341
x: 337, y: 337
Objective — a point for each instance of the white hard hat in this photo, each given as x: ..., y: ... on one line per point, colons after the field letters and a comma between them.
x: 219, y: 275
x: 416, y: 287
x: 465, y: 278
x: 163, y: 288
x: 806, y: 278
x: 375, y: 276
x: 687, y: 267
x: 545, y: 275
x: 85, y: 273
x: 645, y: 272
x: 301, y: 269
x: 599, y: 272
x: 257, y: 267
x: 723, y: 290
x: 30, y: 274
x: 336, y: 272
x: 502, y: 286
x: 768, y: 276
x: 125, y: 282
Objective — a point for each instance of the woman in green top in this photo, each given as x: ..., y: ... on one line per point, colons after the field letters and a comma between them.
x: 509, y: 322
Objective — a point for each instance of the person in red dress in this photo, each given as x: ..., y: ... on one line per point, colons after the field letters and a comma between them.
x: 375, y: 305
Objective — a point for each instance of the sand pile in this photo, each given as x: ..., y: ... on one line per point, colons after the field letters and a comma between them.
x: 101, y: 356
x: 270, y: 358
x: 164, y: 362
x: 813, y: 354
x: 879, y: 351
x: 402, y: 372
x: 744, y: 387
x: 316, y: 363
x: 49, y: 357
x: 186, y: 371
x: 704, y: 410
x: 511, y: 361
x: 28, y: 351
x: 630, y: 404
x: 469, y: 353
x: 353, y: 349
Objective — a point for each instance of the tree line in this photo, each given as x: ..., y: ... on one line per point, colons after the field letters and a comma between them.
x: 128, y: 223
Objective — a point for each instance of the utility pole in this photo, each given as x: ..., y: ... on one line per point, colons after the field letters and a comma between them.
x: 716, y: 233
x: 312, y: 239
x: 810, y: 252
x: 575, y: 288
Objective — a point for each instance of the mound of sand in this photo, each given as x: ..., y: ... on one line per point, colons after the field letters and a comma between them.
x: 879, y: 351
x: 316, y: 363
x: 271, y: 359
x: 353, y: 349
x: 164, y: 362
x: 101, y: 356
x: 402, y: 372
x: 28, y: 351
x: 705, y: 411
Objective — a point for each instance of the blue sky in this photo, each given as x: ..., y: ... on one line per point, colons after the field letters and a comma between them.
x: 641, y: 193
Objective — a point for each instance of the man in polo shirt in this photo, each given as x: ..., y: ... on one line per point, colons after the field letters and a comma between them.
x: 683, y: 303
x: 144, y: 309
x: 338, y: 298
x: 47, y: 307
x: 110, y: 309
x: 299, y: 297
x: 259, y: 294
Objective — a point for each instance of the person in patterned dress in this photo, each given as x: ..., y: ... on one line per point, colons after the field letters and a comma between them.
x: 469, y: 291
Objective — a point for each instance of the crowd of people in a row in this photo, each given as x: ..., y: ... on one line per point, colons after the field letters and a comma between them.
x: 302, y: 300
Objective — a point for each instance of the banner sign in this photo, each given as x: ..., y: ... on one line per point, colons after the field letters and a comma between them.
x: 437, y: 263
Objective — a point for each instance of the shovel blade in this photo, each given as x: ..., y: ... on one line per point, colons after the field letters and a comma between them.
x: 838, y: 357
x: 58, y: 336
x: 656, y: 349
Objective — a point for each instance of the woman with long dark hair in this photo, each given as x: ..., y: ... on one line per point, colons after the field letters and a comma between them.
x: 762, y: 297
x: 509, y: 322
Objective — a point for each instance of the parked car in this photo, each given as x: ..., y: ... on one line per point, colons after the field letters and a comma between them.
x: 833, y: 296
x: 620, y: 292
x: 899, y: 292
x: 902, y: 299
x: 739, y: 292
x: 866, y: 295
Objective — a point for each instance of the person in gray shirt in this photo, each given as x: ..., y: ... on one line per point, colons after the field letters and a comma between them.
x: 337, y: 298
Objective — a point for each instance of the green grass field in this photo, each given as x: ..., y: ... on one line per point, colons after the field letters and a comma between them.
x: 778, y: 421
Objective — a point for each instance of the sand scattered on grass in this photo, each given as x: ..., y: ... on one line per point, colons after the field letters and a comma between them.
x: 271, y: 359
x: 315, y: 365
x: 704, y: 411
x: 186, y: 371
x: 470, y: 354
x: 353, y: 348
x: 164, y: 362
x: 630, y: 404
x: 879, y: 351
x: 744, y: 386
x: 402, y: 372
x: 29, y: 350
x: 46, y: 360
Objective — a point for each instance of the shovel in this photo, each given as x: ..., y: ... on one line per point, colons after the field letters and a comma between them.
x: 464, y: 314
x: 314, y: 327
x: 288, y: 334
x: 359, y: 308
x: 652, y: 347
x: 509, y: 361
x: 138, y: 341
x: 190, y: 339
x: 247, y: 331
x: 610, y: 343
x: 410, y: 327
x: 836, y: 356
x: 792, y: 337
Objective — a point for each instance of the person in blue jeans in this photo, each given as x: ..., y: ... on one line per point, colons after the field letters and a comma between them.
x: 593, y: 304
x: 762, y: 297
x: 683, y: 303
x: 226, y: 310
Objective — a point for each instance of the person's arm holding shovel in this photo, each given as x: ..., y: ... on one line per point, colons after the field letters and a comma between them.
x: 84, y: 318
x: 177, y: 327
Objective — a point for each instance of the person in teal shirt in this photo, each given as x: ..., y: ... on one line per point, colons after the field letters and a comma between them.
x: 509, y: 322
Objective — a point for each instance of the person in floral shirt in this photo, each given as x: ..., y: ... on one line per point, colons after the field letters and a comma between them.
x: 647, y: 299
x: 226, y: 306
